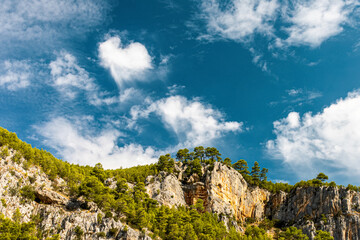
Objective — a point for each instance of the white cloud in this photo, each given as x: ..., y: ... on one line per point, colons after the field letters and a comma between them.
x: 174, y: 89
x: 126, y: 63
x: 75, y: 144
x: 304, y: 22
x: 298, y: 97
x: 193, y: 122
x: 294, y: 92
x: 70, y: 79
x: 239, y: 19
x: 68, y: 76
x: 42, y: 19
x: 16, y: 75
x: 313, y: 22
x: 327, y: 140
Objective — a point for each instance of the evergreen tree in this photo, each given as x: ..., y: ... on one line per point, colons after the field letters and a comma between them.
x: 199, y: 152
x: 183, y: 155
x: 166, y: 163
x: 321, y: 235
x: 241, y: 166
x: 263, y: 173
x: 212, y: 154
x: 255, y: 172
x: 227, y: 162
x: 292, y: 233
x: 322, y: 177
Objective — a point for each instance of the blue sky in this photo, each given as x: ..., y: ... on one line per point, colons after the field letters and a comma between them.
x: 121, y: 82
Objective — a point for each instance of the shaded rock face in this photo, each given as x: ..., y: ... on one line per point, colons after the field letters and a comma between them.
x: 57, y: 213
x: 331, y: 209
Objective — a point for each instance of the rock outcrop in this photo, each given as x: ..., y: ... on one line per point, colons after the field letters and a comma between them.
x: 332, y: 209
x: 221, y: 188
x: 57, y: 213
x: 225, y: 192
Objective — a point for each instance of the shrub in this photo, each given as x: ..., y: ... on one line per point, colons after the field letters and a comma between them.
x: 4, y: 153
x: 3, y: 202
x: 113, y: 232
x: 78, y: 232
x: 27, y: 193
x: 101, y: 235
x: 99, y: 218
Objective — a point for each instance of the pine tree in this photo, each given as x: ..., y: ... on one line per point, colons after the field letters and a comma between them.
x: 255, y: 172
x: 263, y: 173
x: 241, y: 166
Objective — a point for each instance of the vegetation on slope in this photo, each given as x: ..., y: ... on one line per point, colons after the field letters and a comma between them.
x: 133, y: 205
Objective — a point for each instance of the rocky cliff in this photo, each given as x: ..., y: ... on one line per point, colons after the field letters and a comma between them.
x: 221, y: 188
x: 331, y: 209
x: 225, y: 192
x: 55, y: 212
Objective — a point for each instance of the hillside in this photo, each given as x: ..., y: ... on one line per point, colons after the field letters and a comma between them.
x: 199, y: 196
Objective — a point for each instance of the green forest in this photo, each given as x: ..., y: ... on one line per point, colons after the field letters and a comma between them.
x: 134, y: 207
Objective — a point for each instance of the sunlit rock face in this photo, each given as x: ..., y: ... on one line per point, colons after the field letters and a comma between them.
x: 225, y: 192
x: 332, y: 209
x: 58, y: 213
x: 221, y: 188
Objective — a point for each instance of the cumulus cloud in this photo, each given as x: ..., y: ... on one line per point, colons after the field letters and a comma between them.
x: 15, y: 75
x: 309, y: 22
x: 75, y: 144
x: 326, y: 140
x: 193, y: 122
x: 41, y: 19
x: 126, y: 63
x: 239, y: 19
x: 313, y: 22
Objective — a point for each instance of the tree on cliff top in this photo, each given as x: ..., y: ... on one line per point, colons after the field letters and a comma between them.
x: 322, y: 177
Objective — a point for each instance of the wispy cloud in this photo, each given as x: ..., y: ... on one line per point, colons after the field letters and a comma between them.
x: 298, y: 22
x: 70, y: 80
x: 298, y: 97
x: 326, y: 140
x: 15, y: 75
x: 41, y: 19
x: 68, y: 77
x: 238, y: 19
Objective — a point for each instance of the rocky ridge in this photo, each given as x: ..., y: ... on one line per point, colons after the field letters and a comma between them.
x: 57, y: 213
x: 221, y: 188
x: 225, y: 192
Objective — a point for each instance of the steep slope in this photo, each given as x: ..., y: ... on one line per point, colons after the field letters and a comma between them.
x: 90, y: 203
x: 225, y: 192
x: 332, y: 209
x: 54, y: 211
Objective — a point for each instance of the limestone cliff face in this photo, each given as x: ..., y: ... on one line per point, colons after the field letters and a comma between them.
x: 222, y: 189
x: 331, y: 209
x: 57, y: 213
x: 225, y: 192
x: 166, y: 189
x: 228, y: 193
